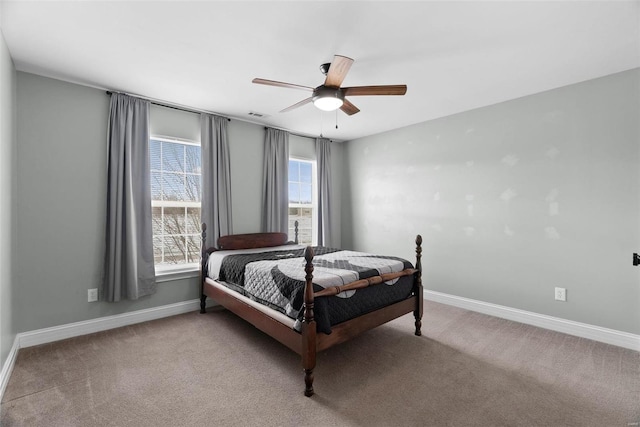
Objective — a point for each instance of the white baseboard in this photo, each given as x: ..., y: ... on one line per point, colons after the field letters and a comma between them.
x: 583, y: 330
x: 7, y: 366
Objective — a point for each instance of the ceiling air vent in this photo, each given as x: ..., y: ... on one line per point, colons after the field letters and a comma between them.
x: 254, y: 114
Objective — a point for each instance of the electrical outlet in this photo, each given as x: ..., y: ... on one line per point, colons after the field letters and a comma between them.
x: 561, y: 294
x: 92, y: 295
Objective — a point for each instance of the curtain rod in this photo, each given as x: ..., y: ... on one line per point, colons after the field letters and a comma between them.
x: 175, y: 107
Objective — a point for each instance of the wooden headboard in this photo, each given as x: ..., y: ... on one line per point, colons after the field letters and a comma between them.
x: 252, y: 240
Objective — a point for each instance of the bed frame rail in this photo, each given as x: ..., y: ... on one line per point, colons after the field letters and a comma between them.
x: 364, y: 283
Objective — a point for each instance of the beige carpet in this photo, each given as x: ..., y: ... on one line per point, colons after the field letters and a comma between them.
x: 467, y: 369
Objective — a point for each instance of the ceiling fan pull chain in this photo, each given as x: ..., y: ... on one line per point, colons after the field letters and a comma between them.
x: 336, y: 119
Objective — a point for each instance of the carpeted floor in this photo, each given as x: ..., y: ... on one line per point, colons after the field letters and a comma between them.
x: 468, y: 369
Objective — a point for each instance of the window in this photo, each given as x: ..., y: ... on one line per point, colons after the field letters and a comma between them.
x: 175, y: 203
x: 302, y: 200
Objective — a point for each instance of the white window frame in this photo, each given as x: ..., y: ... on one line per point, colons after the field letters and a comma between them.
x: 176, y: 271
x: 314, y: 197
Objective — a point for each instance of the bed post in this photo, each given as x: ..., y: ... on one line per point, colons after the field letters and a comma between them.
x: 308, y: 326
x: 417, y: 286
x: 203, y: 261
x: 296, y: 231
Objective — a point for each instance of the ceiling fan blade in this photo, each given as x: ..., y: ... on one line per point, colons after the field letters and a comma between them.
x: 280, y: 84
x: 375, y: 90
x: 296, y: 105
x: 349, y: 108
x: 338, y: 71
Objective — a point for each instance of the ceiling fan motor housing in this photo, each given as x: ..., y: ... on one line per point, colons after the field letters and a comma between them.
x: 323, y: 91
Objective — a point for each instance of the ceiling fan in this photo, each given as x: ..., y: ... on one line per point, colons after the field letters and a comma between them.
x: 329, y: 96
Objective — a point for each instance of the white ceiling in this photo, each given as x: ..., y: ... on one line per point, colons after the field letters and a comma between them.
x: 453, y: 56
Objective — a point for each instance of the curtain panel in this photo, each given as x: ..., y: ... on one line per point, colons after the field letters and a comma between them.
x: 216, y: 178
x: 128, y: 268
x: 275, y: 194
x: 323, y: 159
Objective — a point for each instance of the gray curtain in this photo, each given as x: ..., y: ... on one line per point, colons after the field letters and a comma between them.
x: 323, y: 159
x: 128, y: 271
x: 275, y: 194
x: 216, y: 178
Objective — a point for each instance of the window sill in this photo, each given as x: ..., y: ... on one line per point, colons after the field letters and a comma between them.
x: 177, y: 274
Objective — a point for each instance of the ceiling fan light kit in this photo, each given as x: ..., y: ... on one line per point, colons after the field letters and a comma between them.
x: 327, y: 99
x: 330, y: 96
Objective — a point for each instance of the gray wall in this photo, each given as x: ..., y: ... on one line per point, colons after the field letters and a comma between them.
x: 7, y: 196
x: 61, y: 175
x: 513, y: 200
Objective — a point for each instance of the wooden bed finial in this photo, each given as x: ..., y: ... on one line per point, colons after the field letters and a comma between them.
x: 419, y: 252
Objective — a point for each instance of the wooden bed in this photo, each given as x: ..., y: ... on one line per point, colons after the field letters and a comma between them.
x: 308, y: 342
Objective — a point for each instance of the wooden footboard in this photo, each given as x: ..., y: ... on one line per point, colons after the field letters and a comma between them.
x: 308, y: 342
